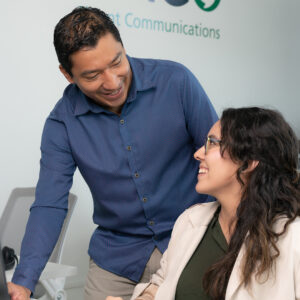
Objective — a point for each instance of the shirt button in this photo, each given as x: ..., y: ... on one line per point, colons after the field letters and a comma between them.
x: 122, y: 122
x: 136, y: 175
x: 129, y: 148
x: 145, y: 199
x: 151, y: 223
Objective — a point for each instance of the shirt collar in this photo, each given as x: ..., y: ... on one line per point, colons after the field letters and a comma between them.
x: 140, y: 78
x: 139, y: 83
x: 84, y: 104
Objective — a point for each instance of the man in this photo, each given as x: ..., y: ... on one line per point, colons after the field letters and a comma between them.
x: 131, y: 127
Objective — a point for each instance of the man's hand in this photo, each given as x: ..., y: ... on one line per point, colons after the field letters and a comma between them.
x: 113, y: 298
x: 18, y: 292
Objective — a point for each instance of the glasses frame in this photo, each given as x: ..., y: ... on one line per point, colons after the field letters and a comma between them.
x: 208, y: 141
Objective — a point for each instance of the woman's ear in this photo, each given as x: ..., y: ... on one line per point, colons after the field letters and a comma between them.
x: 251, y: 166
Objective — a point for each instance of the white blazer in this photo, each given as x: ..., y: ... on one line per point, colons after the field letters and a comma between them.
x: 283, y: 282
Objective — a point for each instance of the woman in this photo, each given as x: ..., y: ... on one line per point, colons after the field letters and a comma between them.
x: 246, y: 245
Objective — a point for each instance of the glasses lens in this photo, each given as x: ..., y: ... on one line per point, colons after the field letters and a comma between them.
x: 206, y: 145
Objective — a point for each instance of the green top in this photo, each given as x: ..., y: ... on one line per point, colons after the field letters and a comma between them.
x: 212, y: 247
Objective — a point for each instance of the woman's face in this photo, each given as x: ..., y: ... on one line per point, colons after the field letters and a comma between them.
x: 217, y: 173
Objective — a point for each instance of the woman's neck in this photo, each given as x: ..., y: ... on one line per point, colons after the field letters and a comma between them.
x: 227, y: 215
x: 227, y: 224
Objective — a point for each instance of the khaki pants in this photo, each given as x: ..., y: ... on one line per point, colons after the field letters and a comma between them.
x: 101, y: 283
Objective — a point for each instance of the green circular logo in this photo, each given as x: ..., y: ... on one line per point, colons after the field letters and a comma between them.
x: 208, y: 5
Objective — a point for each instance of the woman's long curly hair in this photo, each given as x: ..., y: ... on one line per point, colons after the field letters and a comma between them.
x: 270, y: 191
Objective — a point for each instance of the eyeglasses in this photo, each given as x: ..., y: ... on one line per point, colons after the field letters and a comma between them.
x: 211, y: 141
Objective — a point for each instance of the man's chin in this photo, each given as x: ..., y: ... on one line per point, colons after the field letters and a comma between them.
x: 113, y: 106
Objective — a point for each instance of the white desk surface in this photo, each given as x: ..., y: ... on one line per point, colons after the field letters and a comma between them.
x: 51, y: 271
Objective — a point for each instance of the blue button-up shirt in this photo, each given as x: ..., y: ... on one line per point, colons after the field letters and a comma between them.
x: 139, y: 167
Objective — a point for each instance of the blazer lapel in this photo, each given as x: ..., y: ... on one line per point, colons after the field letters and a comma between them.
x: 199, y: 220
x: 191, y: 241
x: 235, y: 277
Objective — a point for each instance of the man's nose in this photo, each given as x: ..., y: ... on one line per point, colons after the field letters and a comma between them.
x: 111, y: 80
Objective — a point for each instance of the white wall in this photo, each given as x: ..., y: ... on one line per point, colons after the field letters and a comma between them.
x: 254, y: 62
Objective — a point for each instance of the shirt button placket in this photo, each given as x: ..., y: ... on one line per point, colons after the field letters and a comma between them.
x: 136, y: 174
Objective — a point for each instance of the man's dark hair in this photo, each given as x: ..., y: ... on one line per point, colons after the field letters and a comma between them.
x: 81, y: 28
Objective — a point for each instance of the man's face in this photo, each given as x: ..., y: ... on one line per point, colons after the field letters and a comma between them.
x: 102, y: 73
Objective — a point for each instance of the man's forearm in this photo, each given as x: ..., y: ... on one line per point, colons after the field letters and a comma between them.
x: 42, y: 231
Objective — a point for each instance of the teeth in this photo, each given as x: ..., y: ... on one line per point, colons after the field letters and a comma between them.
x: 114, y: 93
x: 202, y: 171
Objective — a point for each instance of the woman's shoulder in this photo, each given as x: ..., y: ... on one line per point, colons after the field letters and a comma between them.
x: 198, y: 214
x: 202, y: 207
x: 294, y: 226
x: 291, y: 237
x: 295, y: 229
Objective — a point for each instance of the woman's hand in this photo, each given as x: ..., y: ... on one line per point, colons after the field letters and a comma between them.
x: 113, y: 298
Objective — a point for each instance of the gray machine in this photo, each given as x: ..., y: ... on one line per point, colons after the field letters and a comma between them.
x: 3, y: 284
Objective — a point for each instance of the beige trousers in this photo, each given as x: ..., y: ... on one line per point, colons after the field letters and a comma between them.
x: 101, y: 283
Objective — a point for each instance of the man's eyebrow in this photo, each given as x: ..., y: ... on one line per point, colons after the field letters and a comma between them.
x: 88, y: 72
x: 116, y: 57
